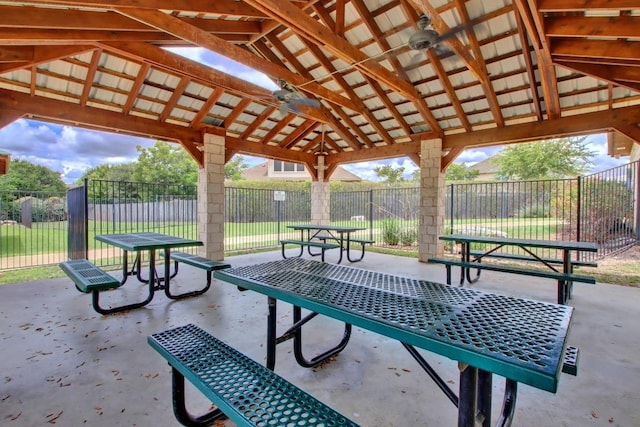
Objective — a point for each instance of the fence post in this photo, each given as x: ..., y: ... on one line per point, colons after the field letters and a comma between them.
x: 451, y: 209
x: 371, y: 214
x: 579, y: 210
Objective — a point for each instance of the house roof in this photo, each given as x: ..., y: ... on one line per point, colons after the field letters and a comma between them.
x: 486, y: 166
x: 261, y: 172
x: 494, y: 72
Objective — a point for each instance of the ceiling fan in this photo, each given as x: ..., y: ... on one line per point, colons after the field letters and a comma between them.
x: 290, y: 98
x: 429, y: 38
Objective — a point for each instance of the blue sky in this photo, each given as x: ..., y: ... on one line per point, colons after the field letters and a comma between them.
x: 71, y: 151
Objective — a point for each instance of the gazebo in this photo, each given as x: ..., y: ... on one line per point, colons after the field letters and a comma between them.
x: 358, y: 80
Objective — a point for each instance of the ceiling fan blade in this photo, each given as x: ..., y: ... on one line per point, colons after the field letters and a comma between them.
x: 306, y: 101
x: 283, y: 109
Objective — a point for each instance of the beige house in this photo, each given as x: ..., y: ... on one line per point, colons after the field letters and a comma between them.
x: 487, y: 169
x: 287, y: 171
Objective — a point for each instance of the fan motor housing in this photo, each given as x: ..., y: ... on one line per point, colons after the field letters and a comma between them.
x: 423, y: 40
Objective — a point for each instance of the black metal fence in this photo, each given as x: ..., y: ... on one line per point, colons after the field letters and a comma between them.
x: 601, y: 208
x: 33, y: 228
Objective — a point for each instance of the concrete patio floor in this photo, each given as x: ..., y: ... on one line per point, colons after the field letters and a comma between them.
x: 64, y: 364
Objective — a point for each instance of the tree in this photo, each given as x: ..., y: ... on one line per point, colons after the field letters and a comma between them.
x: 460, y: 172
x: 119, y: 172
x: 559, y: 158
x: 30, y: 179
x: 234, y: 167
x: 390, y: 174
x: 165, y: 163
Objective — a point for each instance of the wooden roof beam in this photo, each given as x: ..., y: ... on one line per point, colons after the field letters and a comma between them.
x: 100, y: 119
x: 70, y: 19
x: 310, y: 29
x: 593, y: 26
x: 330, y: 119
x: 484, y: 79
x: 601, y: 49
x: 177, y: 64
x: 370, y: 22
x: 42, y: 54
x: 585, y: 5
x: 619, y: 76
x: 301, y: 131
x: 175, y: 26
x: 240, y: 146
x: 362, y: 109
x: 588, y: 123
x: 375, y: 153
x: 532, y: 21
x: 526, y: 53
x: 221, y: 7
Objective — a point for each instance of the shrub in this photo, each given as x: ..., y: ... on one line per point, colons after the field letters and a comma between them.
x: 408, y: 236
x: 391, y: 232
x: 533, y: 211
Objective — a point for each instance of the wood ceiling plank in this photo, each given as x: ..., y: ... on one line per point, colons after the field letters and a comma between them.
x: 282, y: 123
x: 449, y: 90
x: 177, y: 64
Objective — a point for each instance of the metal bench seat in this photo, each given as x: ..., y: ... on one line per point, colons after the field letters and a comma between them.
x: 564, y: 279
x: 89, y: 278
x: 242, y: 389
x: 203, y: 263
x: 517, y: 257
x: 302, y: 243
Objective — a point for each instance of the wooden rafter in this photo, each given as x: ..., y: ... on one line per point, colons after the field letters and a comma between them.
x: 201, y: 38
x: 310, y: 29
x: 533, y: 24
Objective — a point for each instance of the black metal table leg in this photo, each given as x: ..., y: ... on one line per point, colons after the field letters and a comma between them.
x: 468, y: 396
x: 271, y: 333
x: 485, y: 386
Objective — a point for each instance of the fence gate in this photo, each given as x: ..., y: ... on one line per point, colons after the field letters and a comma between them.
x: 77, y: 223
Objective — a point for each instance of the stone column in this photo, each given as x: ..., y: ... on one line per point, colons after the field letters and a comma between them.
x: 211, y: 198
x: 431, y: 200
x: 320, y: 193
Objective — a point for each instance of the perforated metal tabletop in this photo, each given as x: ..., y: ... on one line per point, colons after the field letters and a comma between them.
x: 146, y: 241
x: 519, y: 339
